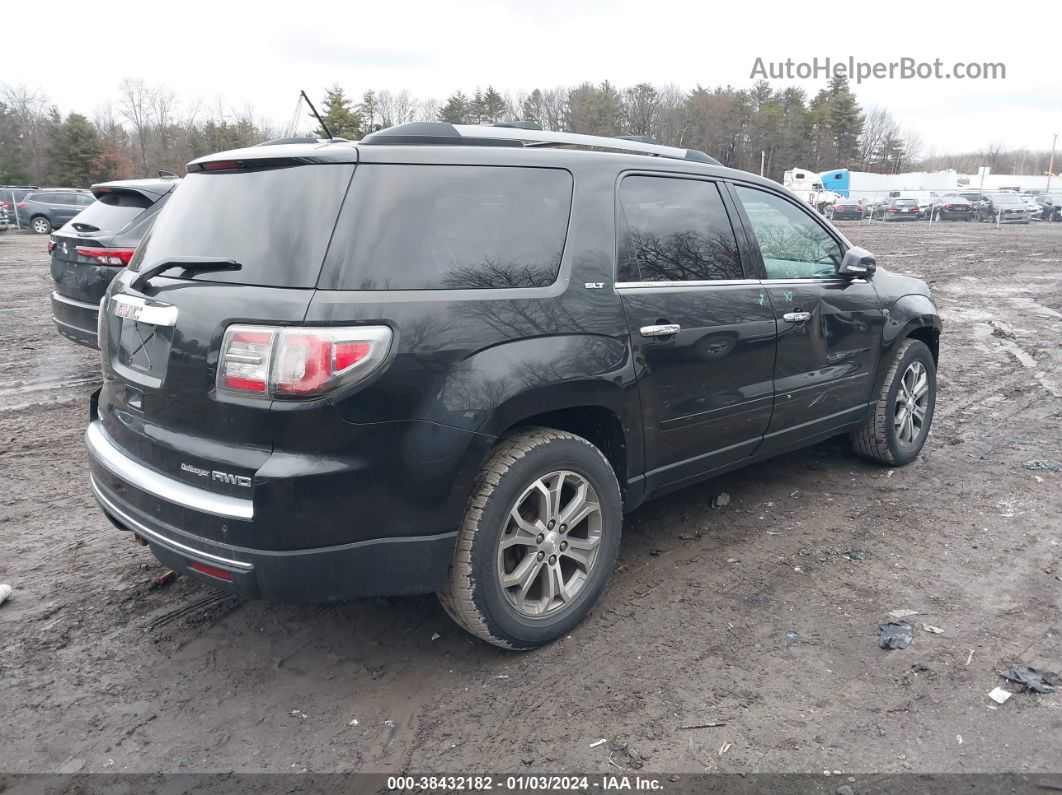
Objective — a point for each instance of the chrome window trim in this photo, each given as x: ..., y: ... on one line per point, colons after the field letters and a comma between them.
x: 135, y: 474
x: 70, y: 301
x: 737, y: 282
x: 698, y: 283
x: 141, y: 529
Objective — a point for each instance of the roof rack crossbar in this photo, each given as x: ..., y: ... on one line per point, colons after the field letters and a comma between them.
x: 552, y: 138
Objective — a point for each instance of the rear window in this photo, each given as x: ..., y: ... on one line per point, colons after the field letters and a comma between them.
x: 905, y: 202
x: 417, y: 227
x: 275, y: 222
x: 112, y: 212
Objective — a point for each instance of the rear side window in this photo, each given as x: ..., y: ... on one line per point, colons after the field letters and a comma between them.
x: 674, y: 230
x: 114, y: 211
x: 275, y: 222
x: 417, y: 227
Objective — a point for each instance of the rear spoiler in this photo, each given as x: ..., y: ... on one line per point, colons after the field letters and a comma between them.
x: 151, y: 192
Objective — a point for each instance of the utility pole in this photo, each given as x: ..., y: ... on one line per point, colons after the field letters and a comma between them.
x: 1051, y: 165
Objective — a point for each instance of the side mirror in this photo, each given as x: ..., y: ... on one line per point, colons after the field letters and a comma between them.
x: 858, y: 262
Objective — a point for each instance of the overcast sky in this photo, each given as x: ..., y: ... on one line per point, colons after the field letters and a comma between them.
x: 261, y: 54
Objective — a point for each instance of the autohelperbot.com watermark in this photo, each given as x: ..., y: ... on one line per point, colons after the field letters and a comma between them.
x: 901, y: 69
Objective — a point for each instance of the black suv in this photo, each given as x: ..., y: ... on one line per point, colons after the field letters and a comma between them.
x: 468, y: 353
x: 89, y: 251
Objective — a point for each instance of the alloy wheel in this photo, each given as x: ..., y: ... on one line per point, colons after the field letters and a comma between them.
x: 912, y: 402
x: 550, y: 544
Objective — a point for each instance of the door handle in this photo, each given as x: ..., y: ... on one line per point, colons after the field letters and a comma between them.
x: 796, y: 317
x: 663, y: 330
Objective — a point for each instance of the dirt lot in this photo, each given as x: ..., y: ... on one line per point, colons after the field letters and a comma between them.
x: 762, y: 614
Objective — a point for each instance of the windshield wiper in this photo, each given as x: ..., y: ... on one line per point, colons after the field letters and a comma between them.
x: 193, y: 264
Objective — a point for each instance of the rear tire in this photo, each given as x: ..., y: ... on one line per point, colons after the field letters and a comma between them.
x: 520, y: 577
x: 41, y: 225
x: 896, y: 431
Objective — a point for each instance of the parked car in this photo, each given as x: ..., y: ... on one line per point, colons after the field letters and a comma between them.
x: 845, y: 210
x: 1009, y: 208
x: 3, y: 220
x: 87, y: 252
x: 950, y: 207
x: 49, y: 209
x: 453, y: 368
x: 1049, y: 206
x: 898, y: 210
x: 10, y: 196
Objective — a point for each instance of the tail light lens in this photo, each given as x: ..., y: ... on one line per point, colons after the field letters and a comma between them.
x: 21, y: 205
x: 107, y: 256
x: 299, y: 362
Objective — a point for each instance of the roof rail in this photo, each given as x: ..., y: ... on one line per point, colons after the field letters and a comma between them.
x: 550, y: 138
x: 482, y: 135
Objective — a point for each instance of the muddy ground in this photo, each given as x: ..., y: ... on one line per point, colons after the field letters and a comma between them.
x: 761, y: 615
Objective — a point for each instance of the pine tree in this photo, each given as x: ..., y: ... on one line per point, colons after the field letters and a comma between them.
x: 75, y: 152
x: 493, y: 106
x: 534, y: 109
x: 369, y: 110
x: 455, y: 111
x: 342, y: 119
x: 845, y: 121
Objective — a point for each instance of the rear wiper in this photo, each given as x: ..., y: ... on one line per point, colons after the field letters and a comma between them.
x: 193, y: 264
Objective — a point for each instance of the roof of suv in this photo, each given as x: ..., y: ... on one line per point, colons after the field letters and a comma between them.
x: 495, y: 147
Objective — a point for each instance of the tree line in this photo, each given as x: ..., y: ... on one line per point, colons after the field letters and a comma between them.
x: 147, y: 128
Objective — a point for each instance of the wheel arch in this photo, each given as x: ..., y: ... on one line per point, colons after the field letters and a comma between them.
x: 596, y: 410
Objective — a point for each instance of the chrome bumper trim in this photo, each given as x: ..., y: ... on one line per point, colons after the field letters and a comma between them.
x: 142, y: 530
x: 118, y: 463
x: 79, y: 304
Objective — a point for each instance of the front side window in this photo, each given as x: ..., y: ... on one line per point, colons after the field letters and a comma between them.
x: 793, y: 245
x: 439, y: 227
x: 675, y: 230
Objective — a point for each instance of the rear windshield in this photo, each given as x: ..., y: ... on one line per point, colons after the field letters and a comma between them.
x: 905, y: 202
x: 112, y: 212
x: 275, y: 222
x: 417, y: 227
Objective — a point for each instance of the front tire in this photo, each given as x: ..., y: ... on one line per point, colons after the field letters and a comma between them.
x: 896, y: 431
x: 538, y: 541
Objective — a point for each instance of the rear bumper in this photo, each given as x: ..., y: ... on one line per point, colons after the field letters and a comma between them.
x: 76, y: 320
x: 376, y: 567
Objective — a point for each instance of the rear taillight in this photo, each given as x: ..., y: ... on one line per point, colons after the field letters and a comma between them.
x: 838, y: 208
x: 21, y: 205
x: 107, y: 256
x: 298, y: 362
x: 51, y: 246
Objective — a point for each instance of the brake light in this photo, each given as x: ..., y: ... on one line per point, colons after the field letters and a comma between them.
x: 21, y: 205
x: 107, y: 256
x: 299, y: 362
x: 221, y: 165
x: 51, y: 246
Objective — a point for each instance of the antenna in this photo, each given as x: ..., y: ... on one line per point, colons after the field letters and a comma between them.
x: 317, y: 116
